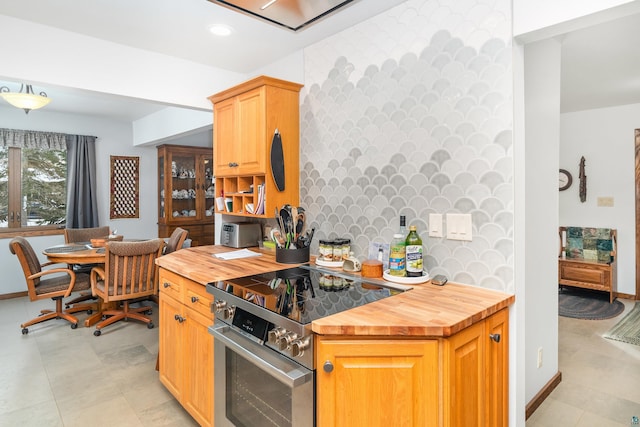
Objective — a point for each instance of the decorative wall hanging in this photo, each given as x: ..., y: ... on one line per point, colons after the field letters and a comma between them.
x: 583, y: 181
x: 125, y: 183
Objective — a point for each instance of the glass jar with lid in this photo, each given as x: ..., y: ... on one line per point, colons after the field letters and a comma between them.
x: 326, y: 250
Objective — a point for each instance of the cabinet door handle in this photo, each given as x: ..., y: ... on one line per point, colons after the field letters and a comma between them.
x: 328, y: 367
x: 179, y: 318
x: 233, y: 165
x: 166, y: 284
x: 495, y: 337
x: 194, y: 299
x: 176, y: 317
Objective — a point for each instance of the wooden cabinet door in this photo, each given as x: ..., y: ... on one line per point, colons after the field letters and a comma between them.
x: 464, y: 377
x: 251, y: 132
x: 198, y: 364
x: 377, y: 383
x: 497, y: 369
x: 225, y: 146
x: 170, y: 345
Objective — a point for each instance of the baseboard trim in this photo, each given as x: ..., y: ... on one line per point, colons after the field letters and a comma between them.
x: 625, y: 296
x: 14, y: 295
x: 542, y: 395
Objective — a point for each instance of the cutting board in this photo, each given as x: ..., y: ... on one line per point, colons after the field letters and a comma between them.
x: 277, y: 161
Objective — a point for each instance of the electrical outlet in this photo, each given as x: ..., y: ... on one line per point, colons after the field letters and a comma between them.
x: 540, y: 357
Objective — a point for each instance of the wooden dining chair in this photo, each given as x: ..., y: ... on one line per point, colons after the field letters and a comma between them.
x: 129, y: 274
x: 176, y: 240
x: 83, y: 235
x: 49, y: 283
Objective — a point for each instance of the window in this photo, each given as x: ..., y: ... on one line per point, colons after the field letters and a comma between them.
x: 33, y: 185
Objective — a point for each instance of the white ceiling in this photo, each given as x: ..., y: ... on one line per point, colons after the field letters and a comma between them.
x: 600, y: 64
x: 178, y: 28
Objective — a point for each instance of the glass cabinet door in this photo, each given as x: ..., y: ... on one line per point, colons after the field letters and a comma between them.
x: 184, y: 189
x: 208, y: 187
x: 161, y: 195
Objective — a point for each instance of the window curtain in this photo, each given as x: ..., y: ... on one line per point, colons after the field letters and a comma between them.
x: 32, y: 139
x: 82, y: 209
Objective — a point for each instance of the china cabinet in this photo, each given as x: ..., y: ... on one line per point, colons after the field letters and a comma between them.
x: 186, y: 192
x: 253, y: 174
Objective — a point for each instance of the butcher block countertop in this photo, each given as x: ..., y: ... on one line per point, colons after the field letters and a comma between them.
x: 201, y: 266
x: 424, y: 311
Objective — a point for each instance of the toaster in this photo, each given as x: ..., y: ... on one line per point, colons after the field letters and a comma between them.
x: 240, y: 235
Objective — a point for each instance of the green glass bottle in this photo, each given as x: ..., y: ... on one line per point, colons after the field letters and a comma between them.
x: 413, y: 251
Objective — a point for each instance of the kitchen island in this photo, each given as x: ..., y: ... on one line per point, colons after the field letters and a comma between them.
x: 430, y: 356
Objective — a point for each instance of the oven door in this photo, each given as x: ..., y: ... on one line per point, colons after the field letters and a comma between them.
x: 254, y: 386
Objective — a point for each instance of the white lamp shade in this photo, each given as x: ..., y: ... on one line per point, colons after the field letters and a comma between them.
x: 26, y: 101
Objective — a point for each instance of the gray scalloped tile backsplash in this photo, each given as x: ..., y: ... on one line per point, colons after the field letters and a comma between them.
x: 430, y: 132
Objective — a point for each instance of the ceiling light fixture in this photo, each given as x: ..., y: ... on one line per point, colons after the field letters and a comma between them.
x: 26, y: 100
x: 221, y: 30
x: 263, y: 7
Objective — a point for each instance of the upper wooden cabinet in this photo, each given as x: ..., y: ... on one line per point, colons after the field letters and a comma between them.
x: 245, y: 119
x: 185, y: 192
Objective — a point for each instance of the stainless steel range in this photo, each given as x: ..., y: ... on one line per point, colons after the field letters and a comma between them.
x: 264, y: 356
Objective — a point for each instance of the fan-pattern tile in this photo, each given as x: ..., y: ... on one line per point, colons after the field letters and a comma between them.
x: 413, y: 119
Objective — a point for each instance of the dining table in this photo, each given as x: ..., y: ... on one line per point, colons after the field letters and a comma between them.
x: 80, y: 253
x: 75, y: 253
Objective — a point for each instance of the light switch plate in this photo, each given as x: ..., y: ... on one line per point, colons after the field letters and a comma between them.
x: 605, y: 202
x: 435, y: 225
x: 459, y: 227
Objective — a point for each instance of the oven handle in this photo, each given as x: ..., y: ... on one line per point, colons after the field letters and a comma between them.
x: 294, y: 377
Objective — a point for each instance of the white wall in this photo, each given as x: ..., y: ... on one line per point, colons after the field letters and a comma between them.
x: 542, y: 131
x: 114, y: 138
x: 605, y: 137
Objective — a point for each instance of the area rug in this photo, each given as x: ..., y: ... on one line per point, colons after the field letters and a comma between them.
x: 628, y: 329
x: 586, y: 304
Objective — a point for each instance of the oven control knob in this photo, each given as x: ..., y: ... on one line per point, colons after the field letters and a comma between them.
x: 219, y: 305
x: 285, y: 341
x: 227, y: 312
x: 299, y: 346
x: 275, y: 334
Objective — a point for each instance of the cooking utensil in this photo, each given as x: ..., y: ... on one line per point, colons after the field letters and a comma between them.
x: 294, y: 220
x: 277, y: 237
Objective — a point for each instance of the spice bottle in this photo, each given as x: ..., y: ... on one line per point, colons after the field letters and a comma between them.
x: 414, y: 253
x: 397, y: 256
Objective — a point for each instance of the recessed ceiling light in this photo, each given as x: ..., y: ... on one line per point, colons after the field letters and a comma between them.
x: 266, y: 5
x: 221, y: 30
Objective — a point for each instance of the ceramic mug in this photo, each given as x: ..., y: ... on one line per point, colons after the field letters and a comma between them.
x: 351, y: 264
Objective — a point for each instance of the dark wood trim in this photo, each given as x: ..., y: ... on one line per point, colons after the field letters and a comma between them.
x: 10, y: 233
x: 14, y: 295
x: 542, y: 395
x: 637, y: 148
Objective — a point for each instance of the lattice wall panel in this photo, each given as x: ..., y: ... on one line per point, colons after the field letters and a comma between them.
x: 125, y: 183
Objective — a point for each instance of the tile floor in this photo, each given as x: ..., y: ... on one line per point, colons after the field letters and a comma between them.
x: 56, y: 376
x: 600, y: 378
